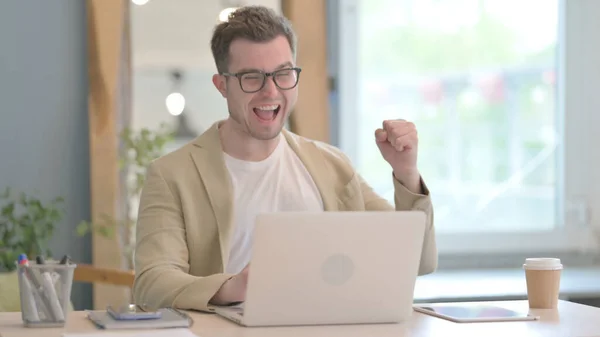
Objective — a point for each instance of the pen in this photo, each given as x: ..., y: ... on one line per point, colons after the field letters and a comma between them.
x: 39, y: 298
x: 55, y: 275
x: 30, y: 311
x: 67, y: 280
x: 65, y: 260
x: 50, y: 291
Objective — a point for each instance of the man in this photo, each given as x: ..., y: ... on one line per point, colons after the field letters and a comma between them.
x: 199, y: 202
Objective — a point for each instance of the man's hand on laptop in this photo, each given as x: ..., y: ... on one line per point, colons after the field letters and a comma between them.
x: 233, y: 290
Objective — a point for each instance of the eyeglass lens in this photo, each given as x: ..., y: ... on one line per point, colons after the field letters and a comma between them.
x: 284, y: 79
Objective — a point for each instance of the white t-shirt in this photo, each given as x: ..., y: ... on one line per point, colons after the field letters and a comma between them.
x: 279, y: 183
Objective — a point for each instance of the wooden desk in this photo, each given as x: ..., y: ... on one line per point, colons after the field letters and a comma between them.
x: 570, y: 319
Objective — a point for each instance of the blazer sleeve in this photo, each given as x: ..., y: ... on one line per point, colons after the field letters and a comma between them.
x: 406, y: 200
x: 162, y: 276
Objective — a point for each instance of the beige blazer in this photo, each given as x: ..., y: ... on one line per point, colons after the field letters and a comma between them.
x: 184, y: 225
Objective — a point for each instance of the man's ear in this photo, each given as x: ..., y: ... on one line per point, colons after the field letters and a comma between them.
x: 219, y: 82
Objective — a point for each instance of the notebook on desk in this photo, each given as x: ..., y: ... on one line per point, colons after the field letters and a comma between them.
x: 156, y: 333
x: 170, y: 318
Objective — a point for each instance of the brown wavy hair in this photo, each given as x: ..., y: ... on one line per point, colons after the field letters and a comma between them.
x: 254, y: 23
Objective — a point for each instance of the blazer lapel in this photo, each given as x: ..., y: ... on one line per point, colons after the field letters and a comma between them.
x: 210, y: 163
x: 314, y: 162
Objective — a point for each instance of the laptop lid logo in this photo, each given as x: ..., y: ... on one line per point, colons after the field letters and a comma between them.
x: 337, y: 269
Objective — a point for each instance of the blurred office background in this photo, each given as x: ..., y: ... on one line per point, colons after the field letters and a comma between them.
x: 503, y: 94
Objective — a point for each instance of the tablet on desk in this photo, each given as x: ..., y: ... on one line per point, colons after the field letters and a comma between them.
x: 469, y: 312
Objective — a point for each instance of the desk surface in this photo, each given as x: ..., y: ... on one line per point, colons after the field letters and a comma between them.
x: 570, y: 319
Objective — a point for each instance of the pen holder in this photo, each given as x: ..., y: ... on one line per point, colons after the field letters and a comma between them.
x: 45, y: 293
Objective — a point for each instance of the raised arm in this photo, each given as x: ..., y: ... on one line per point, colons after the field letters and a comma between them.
x: 162, y: 276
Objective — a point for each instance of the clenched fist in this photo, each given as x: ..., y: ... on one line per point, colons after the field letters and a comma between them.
x: 398, y: 142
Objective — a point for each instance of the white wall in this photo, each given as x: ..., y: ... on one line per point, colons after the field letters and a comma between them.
x: 168, y: 34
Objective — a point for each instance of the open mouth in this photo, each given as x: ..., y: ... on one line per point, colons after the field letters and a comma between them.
x: 267, y: 113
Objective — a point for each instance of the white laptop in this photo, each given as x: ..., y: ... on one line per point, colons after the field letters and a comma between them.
x: 331, y: 268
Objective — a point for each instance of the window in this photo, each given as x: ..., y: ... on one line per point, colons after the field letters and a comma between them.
x: 488, y: 84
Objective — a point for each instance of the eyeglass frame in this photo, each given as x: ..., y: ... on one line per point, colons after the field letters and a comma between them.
x: 266, y: 75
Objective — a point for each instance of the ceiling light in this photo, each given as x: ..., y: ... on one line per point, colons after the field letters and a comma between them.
x: 175, y: 103
x: 224, y: 15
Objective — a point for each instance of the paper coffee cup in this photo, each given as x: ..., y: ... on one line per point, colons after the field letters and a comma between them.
x: 543, y: 282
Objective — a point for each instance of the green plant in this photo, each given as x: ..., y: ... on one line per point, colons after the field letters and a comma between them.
x: 139, y: 148
x: 26, y: 225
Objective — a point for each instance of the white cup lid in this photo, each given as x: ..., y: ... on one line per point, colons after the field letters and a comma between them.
x: 542, y: 263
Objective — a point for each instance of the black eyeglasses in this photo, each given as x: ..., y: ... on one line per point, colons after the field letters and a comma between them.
x: 254, y: 81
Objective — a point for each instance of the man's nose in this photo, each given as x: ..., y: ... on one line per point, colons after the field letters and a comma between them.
x: 270, y: 89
